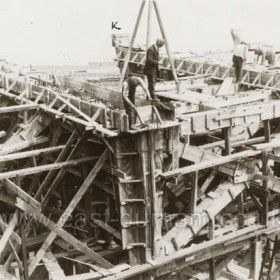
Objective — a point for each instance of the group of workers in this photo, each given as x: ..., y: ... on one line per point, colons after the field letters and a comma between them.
x: 241, y: 52
x: 151, y: 70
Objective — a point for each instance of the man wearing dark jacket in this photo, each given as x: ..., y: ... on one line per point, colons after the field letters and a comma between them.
x: 151, y: 69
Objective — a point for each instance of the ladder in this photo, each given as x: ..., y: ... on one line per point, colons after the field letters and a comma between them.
x: 131, y: 157
x: 271, y: 248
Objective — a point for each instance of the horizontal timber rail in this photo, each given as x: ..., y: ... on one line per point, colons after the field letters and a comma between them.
x: 43, y: 168
x: 253, y: 78
x: 82, y: 112
x: 195, y: 254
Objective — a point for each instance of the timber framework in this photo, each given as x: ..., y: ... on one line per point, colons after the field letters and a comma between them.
x: 194, y: 193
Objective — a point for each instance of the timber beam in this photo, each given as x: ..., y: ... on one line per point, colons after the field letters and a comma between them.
x: 191, y: 66
x: 44, y: 168
x: 241, y: 239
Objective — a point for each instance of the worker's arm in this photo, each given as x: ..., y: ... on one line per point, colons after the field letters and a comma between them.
x: 150, y: 58
x: 144, y: 87
x: 125, y: 90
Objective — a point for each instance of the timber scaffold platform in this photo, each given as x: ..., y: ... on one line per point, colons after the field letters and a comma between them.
x: 192, y: 194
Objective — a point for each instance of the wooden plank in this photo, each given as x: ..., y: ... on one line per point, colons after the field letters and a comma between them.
x: 58, y: 178
x: 9, y: 230
x: 44, y: 168
x: 52, y: 172
x: 194, y: 192
x: 14, y: 235
x: 226, y: 87
x: 274, y: 157
x: 113, y: 171
x: 58, y: 230
x: 18, y: 108
x: 256, y: 258
x: 264, y: 199
x: 186, y: 96
x: 210, y: 163
x: 52, y: 266
x: 33, y: 153
x: 266, y: 126
x: 275, y: 143
x: 208, y: 181
x: 226, y: 260
x: 23, y: 248
x: 226, y: 135
x: 7, y: 149
x: 68, y: 212
x: 88, y: 123
x: 210, y: 207
x: 22, y: 194
x: 108, y: 228
x: 195, y: 254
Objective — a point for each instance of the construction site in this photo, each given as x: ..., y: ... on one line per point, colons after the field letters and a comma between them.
x: 192, y: 193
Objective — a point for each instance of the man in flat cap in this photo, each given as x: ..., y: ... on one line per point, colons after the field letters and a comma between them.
x: 151, y: 69
x: 128, y: 94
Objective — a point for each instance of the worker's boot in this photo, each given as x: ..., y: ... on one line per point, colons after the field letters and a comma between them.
x: 236, y: 89
x: 131, y: 120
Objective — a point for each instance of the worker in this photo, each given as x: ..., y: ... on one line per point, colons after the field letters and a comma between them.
x: 235, y: 37
x: 267, y: 53
x: 239, y: 57
x: 151, y: 68
x: 128, y: 94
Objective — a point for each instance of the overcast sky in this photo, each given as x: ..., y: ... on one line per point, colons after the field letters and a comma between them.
x: 71, y: 32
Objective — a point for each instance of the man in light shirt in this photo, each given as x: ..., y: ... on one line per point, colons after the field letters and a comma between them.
x: 239, y: 57
x: 128, y: 94
x: 267, y: 53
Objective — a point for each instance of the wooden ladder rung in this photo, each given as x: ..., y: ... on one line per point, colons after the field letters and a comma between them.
x: 130, y: 245
x: 133, y: 200
x: 130, y: 181
x: 118, y: 155
x: 132, y: 224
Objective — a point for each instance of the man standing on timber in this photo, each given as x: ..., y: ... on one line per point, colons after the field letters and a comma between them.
x: 239, y: 57
x: 128, y: 94
x: 151, y: 69
x: 267, y: 53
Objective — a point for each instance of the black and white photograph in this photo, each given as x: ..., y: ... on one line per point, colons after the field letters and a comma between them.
x: 140, y: 140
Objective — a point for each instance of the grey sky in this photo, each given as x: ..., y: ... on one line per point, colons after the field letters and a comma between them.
x: 78, y: 31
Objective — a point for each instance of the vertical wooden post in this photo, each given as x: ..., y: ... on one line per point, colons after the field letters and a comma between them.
x: 127, y: 58
x: 226, y: 135
x: 194, y: 192
x: 264, y: 215
x: 256, y: 258
x: 266, y: 126
x: 240, y: 210
x: 153, y: 191
x: 149, y: 26
x: 166, y: 45
x: 212, y: 228
x: 212, y: 270
x: 23, y: 247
